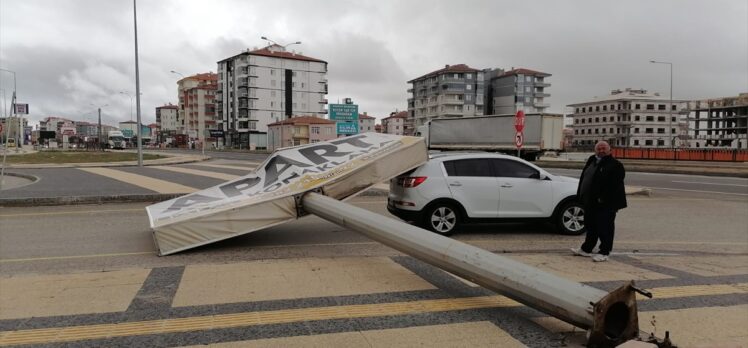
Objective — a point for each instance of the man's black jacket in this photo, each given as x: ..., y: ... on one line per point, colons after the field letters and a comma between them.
x: 607, y: 190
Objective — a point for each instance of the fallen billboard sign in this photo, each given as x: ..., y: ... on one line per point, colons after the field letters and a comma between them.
x: 266, y: 197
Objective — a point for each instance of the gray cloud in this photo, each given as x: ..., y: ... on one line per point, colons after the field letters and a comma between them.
x: 72, y: 53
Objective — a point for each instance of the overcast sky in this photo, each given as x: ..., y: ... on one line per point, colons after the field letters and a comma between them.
x: 69, y: 54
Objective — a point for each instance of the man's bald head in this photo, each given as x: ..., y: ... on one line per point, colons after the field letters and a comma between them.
x: 602, y: 148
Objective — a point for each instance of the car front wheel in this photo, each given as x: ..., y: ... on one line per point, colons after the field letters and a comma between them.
x: 570, y: 219
x: 442, y: 218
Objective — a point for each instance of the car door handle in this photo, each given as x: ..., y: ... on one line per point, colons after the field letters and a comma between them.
x: 506, y: 185
x: 455, y: 184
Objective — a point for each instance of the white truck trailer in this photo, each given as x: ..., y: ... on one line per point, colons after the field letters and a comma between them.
x: 115, y: 140
x: 542, y: 132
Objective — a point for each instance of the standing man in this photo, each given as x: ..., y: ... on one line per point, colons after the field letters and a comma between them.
x: 602, y: 194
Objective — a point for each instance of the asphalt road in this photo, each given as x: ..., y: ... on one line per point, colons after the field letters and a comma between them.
x: 727, y: 187
x: 664, y: 242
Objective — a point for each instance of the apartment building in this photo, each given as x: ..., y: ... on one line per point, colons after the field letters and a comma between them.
x: 516, y: 89
x: 264, y: 86
x: 299, y: 131
x: 167, y: 117
x: 395, y: 123
x: 86, y: 130
x: 197, y: 110
x: 719, y: 123
x: 454, y: 91
x: 629, y: 118
x: 366, y: 123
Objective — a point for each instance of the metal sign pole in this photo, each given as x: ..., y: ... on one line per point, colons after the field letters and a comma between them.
x: 610, y: 317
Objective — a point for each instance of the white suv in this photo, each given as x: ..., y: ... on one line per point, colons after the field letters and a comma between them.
x: 455, y: 188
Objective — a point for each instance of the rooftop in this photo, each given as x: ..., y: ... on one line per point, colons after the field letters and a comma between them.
x: 302, y: 120
x: 459, y: 68
x: 523, y: 71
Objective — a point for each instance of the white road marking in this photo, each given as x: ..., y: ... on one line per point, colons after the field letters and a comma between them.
x: 708, y: 183
x: 699, y: 191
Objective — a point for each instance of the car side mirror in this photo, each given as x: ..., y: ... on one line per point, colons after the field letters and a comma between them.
x: 539, y: 176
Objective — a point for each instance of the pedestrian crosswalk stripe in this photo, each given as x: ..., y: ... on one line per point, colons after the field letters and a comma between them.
x: 225, y: 166
x: 156, y: 185
x: 198, y: 172
x: 286, y: 316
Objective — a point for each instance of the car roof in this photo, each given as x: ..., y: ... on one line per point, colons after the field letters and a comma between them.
x: 443, y: 156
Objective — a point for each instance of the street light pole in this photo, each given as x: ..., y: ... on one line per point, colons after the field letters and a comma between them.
x: 137, y: 84
x: 101, y: 147
x: 7, y: 125
x: 129, y: 95
x: 670, y: 106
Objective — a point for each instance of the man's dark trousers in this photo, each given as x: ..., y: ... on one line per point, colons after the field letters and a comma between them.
x: 600, y: 223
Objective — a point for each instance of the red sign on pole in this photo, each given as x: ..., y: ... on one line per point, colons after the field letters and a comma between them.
x: 518, y: 139
x: 519, y: 121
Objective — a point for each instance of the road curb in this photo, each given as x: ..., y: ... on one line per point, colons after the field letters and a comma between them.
x: 75, y: 200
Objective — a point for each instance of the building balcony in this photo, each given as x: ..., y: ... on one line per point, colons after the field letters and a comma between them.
x: 541, y: 84
x: 541, y: 105
x: 323, y: 101
x: 541, y: 95
x: 623, y: 123
x: 410, y: 90
x: 623, y: 112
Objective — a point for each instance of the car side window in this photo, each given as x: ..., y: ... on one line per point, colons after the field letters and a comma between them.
x: 468, y: 167
x: 512, y: 169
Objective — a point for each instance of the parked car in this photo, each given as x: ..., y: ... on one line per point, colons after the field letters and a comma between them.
x: 456, y: 188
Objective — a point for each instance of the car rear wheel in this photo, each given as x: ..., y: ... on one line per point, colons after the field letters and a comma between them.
x: 570, y: 219
x: 442, y: 218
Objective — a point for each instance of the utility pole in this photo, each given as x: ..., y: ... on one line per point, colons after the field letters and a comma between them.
x: 100, y: 147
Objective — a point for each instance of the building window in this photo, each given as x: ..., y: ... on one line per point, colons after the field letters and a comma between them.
x: 597, y: 119
x: 672, y: 119
x: 660, y: 142
x: 636, y: 142
x: 660, y: 118
x: 605, y: 108
x: 597, y: 108
x: 315, y: 130
x: 648, y: 142
x: 637, y: 118
x: 605, y: 119
x: 660, y: 130
x: 637, y: 107
x: 661, y: 107
x: 649, y: 130
x: 469, y: 87
x: 650, y: 118
x: 650, y: 106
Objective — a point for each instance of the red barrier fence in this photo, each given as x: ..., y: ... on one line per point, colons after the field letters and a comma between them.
x: 719, y: 155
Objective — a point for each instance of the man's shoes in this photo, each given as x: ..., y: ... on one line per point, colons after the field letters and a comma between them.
x: 600, y: 258
x: 580, y: 252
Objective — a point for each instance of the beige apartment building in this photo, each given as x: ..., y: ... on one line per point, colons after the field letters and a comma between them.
x: 300, y: 130
x: 366, y: 123
x: 454, y: 91
x: 630, y: 118
x: 197, y: 110
x: 395, y: 123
